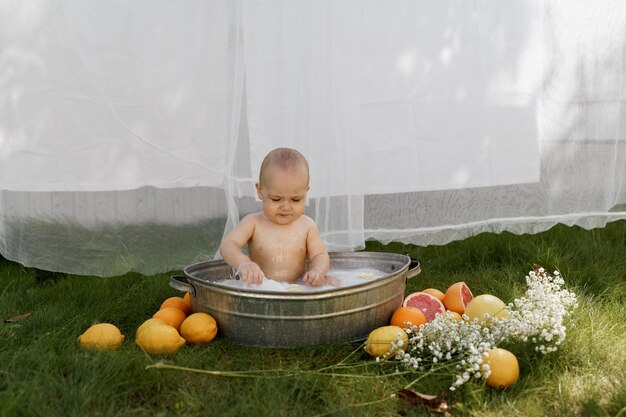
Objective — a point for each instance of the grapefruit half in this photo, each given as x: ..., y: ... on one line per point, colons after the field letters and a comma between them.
x: 457, y: 296
x: 429, y: 304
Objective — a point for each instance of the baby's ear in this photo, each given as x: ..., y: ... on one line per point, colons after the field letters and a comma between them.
x: 258, y: 190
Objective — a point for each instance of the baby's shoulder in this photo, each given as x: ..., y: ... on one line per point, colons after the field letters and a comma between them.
x: 251, y: 219
x: 307, y: 221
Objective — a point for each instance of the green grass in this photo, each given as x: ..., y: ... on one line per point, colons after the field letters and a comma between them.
x: 43, y: 372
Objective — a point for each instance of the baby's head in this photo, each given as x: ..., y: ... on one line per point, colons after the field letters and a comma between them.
x: 284, y: 160
x: 283, y: 185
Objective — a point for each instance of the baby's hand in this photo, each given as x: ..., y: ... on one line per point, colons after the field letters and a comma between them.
x: 250, y: 272
x: 314, y: 278
x: 332, y: 281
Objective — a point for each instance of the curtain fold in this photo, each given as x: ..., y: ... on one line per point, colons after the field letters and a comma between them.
x: 131, y: 134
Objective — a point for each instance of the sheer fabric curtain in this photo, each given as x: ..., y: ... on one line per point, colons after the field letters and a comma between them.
x: 119, y: 126
x: 392, y: 98
x: 131, y: 133
x: 580, y: 115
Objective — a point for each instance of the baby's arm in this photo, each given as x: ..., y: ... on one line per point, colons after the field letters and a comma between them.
x: 233, y: 255
x: 319, y: 261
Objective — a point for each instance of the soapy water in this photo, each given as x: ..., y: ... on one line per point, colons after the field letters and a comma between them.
x: 346, y: 277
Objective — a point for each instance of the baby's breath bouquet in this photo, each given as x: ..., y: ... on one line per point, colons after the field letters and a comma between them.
x: 536, y: 318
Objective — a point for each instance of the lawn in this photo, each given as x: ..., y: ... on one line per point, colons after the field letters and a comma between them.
x: 43, y: 371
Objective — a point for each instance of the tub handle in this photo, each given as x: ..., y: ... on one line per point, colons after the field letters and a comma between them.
x: 181, y: 283
x: 414, y: 269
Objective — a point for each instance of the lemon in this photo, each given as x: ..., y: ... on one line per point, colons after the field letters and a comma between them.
x: 159, y: 339
x: 198, y: 328
x: 379, y: 341
x: 150, y: 322
x: 101, y: 336
x: 486, y: 304
x: 504, y: 368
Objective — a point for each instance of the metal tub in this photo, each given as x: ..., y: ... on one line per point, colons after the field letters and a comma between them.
x: 290, y: 320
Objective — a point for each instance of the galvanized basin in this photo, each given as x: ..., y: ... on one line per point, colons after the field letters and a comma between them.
x: 289, y: 320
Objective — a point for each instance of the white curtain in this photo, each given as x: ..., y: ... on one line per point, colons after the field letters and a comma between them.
x: 131, y: 132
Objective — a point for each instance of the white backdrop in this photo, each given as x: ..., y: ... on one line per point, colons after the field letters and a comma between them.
x: 131, y: 132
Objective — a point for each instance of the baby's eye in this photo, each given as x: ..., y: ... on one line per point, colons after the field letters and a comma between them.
x: 295, y: 200
x: 275, y: 199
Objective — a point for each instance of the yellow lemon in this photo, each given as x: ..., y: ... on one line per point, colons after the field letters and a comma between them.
x: 101, y: 336
x: 379, y: 341
x: 198, y: 328
x: 504, y: 368
x: 147, y: 323
x: 159, y: 339
x: 486, y: 304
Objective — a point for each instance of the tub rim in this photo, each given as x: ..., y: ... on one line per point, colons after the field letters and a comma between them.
x: 188, y: 281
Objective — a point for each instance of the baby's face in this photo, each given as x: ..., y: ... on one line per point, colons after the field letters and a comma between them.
x: 283, y: 194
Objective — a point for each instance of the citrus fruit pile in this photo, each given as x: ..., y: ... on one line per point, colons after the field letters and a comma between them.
x: 173, y: 325
x: 417, y: 309
x: 457, y: 303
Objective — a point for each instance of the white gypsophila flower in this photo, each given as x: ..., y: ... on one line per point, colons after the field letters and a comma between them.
x: 538, y: 317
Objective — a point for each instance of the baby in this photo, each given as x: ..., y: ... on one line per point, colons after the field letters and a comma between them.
x: 281, y: 237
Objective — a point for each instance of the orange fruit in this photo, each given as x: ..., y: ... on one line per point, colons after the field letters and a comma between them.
x: 198, y: 328
x: 171, y: 316
x: 187, y: 298
x: 457, y: 296
x: 435, y: 293
x: 504, y: 368
x: 452, y: 315
x: 406, y: 317
x: 179, y: 303
x: 430, y: 305
x: 486, y: 304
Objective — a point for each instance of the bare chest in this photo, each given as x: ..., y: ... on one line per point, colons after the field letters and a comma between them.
x: 269, y: 241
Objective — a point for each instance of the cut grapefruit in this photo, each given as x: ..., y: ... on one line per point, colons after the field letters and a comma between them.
x: 429, y: 304
x: 457, y: 296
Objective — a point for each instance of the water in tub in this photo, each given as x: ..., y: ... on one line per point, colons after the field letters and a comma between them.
x: 347, y: 278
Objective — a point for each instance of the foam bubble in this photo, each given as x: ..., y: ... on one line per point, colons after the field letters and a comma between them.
x: 346, y: 277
